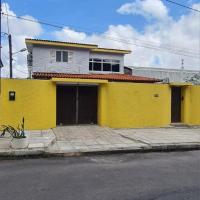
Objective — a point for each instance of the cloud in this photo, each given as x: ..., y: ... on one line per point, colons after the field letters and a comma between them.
x: 70, y: 35
x: 151, y: 47
x: 19, y: 29
x: 147, y: 8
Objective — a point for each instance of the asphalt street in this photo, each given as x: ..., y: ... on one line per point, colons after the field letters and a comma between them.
x: 150, y: 176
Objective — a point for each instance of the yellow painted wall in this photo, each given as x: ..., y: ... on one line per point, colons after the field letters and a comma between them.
x: 130, y: 105
x: 35, y: 101
x: 191, y: 105
x: 120, y: 104
x: 185, y: 105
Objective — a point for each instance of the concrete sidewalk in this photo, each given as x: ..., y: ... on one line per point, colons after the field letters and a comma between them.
x: 76, y: 140
x: 38, y: 141
x: 88, y: 139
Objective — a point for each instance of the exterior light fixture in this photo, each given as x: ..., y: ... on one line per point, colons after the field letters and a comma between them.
x: 11, y: 95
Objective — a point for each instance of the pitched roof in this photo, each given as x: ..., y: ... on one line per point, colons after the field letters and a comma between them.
x: 59, y: 43
x: 92, y: 47
x: 109, y: 77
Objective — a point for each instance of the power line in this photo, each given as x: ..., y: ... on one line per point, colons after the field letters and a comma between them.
x: 7, y: 16
x: 182, y: 5
x: 178, y: 51
x: 158, y: 48
x: 193, y: 9
x: 32, y: 20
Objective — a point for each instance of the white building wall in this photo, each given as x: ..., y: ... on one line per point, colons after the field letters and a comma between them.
x: 109, y: 56
x: 44, y: 60
x: 173, y: 75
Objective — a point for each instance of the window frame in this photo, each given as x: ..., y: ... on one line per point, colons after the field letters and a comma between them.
x: 62, y: 56
x: 111, y: 62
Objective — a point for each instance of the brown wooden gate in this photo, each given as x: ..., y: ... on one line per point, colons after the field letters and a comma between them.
x: 87, y: 105
x: 176, y: 104
x: 76, y: 105
x: 66, y: 105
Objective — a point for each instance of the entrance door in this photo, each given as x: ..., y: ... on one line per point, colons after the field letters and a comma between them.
x: 66, y: 105
x: 176, y: 104
x: 87, y: 105
x: 76, y: 105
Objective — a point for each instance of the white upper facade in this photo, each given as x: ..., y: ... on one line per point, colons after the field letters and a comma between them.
x: 73, y: 58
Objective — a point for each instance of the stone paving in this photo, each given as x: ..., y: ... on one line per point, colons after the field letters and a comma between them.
x: 91, y: 138
x: 95, y: 138
x: 41, y: 139
x: 38, y: 141
x: 163, y: 135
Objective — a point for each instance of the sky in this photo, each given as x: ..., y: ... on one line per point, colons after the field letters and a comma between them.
x: 159, y: 33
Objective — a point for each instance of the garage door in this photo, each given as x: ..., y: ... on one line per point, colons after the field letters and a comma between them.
x: 76, y: 105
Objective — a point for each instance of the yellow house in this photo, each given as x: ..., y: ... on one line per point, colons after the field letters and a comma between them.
x: 77, y: 83
x: 49, y: 103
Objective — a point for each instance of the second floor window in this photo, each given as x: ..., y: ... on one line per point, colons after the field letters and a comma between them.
x: 107, y: 65
x: 61, y: 56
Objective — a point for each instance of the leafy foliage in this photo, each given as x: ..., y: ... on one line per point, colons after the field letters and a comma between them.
x: 15, y: 133
x: 195, y: 79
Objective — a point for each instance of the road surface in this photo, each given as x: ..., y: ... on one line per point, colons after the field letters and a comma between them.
x: 150, y: 176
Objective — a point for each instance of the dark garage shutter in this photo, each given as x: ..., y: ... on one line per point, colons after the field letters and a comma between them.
x: 87, y: 109
x: 76, y: 105
x: 66, y: 105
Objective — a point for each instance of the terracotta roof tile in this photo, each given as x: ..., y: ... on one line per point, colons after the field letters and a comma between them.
x: 109, y: 77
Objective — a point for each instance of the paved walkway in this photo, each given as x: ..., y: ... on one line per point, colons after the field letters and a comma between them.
x: 87, y: 139
x: 38, y: 141
x: 71, y: 139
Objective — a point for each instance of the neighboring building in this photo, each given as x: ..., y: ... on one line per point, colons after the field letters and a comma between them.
x: 128, y: 70
x: 170, y: 75
x: 73, y: 58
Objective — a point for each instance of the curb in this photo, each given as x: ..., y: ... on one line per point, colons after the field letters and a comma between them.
x: 167, y: 148
x: 45, y: 154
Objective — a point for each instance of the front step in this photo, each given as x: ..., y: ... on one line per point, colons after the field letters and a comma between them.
x: 179, y: 125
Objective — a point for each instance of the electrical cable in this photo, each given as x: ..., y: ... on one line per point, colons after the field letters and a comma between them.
x: 182, y: 5
x: 178, y: 51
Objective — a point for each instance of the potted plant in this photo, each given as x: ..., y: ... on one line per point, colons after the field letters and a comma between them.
x: 19, y: 140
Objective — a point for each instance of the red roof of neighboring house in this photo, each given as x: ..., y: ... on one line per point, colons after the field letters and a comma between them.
x: 109, y: 77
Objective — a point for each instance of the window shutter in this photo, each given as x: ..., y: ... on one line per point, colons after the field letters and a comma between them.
x: 70, y: 56
x: 52, y: 56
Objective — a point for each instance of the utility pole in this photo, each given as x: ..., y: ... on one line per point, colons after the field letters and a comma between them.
x: 0, y: 31
x: 1, y: 63
x: 10, y: 54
